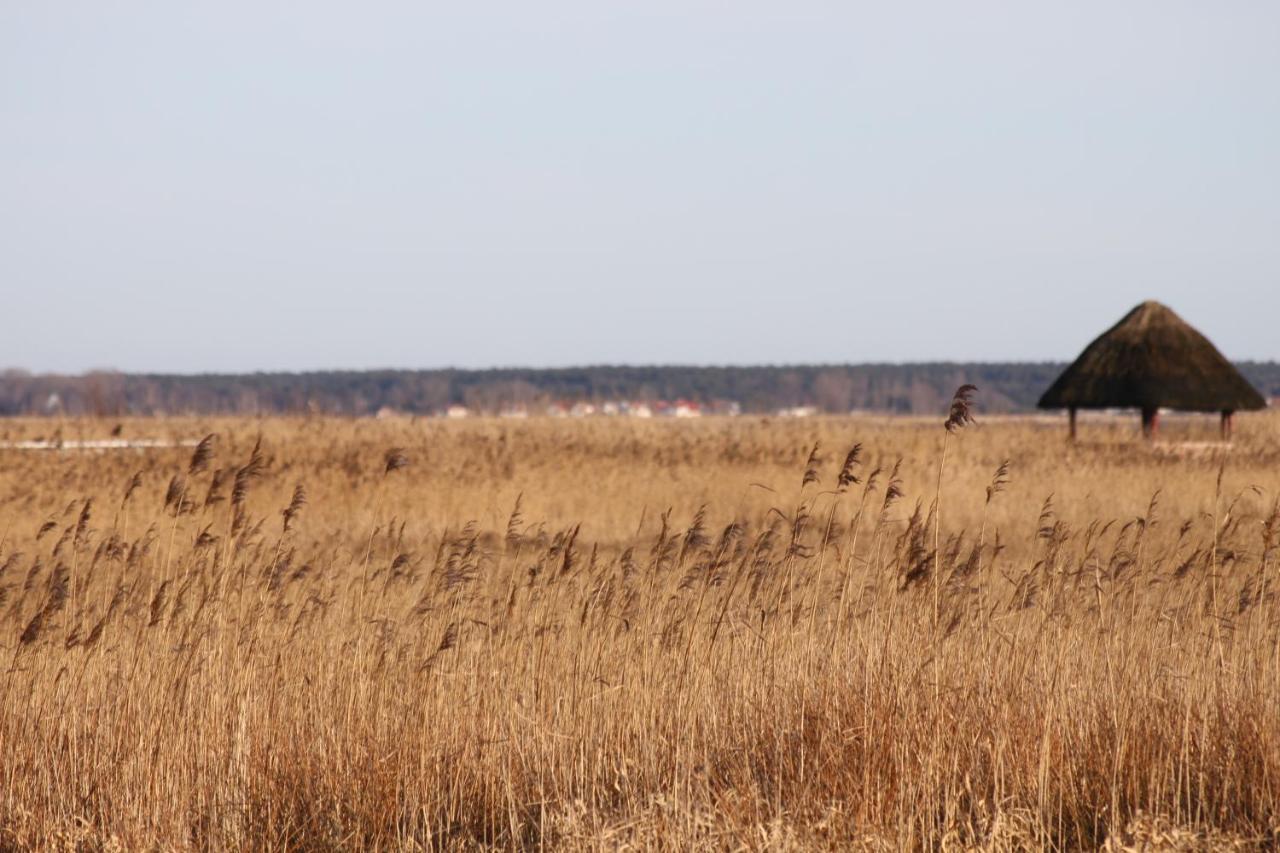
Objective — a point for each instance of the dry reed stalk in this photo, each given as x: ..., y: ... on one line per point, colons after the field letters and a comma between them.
x: 393, y: 460
x: 958, y: 417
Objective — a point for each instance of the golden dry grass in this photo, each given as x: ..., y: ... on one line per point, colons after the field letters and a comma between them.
x: 625, y: 634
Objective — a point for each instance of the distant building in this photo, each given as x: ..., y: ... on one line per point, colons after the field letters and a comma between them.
x: 729, y: 408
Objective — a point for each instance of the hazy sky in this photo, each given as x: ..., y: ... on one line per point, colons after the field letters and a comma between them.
x: 227, y: 186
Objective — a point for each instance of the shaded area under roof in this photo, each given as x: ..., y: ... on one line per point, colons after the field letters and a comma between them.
x: 1152, y: 359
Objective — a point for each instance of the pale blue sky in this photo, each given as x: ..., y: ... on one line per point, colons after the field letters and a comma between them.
x: 241, y: 186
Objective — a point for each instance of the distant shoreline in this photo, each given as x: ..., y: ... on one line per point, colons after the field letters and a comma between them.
x: 905, y: 388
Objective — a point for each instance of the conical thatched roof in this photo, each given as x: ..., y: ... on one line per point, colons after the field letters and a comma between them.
x: 1152, y: 359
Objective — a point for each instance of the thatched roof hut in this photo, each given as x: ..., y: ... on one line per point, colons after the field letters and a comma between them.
x: 1152, y: 360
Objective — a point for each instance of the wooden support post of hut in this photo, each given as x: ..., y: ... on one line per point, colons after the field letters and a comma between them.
x: 1150, y: 422
x: 1152, y: 360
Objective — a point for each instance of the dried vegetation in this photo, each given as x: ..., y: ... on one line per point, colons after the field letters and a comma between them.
x: 733, y: 634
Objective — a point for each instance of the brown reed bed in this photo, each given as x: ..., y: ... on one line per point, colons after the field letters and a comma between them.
x: 747, y: 634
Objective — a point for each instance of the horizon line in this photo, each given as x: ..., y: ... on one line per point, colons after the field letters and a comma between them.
x: 28, y: 372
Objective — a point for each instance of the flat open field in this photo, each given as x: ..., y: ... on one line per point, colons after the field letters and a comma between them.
x: 332, y: 634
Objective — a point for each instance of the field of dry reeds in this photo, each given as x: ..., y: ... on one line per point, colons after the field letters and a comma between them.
x: 729, y: 634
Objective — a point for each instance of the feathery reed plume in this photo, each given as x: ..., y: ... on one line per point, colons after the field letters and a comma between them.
x: 216, y: 482
x: 205, y: 539
x: 395, y: 460
x: 62, y: 540
x: 893, y: 491
x: 295, y: 506
x: 135, y: 483
x: 447, y: 642
x: 696, y: 536
x: 570, y: 555
x: 34, y: 628
x: 961, y: 414
x: 999, y: 481
x: 811, y: 466
x: 202, y: 455
x: 95, y: 633
x: 799, y: 523
x: 1045, y: 521
x: 56, y: 601
x: 158, y: 602
x: 514, y: 522
x: 82, y: 525
x: 997, y: 485
x: 848, y: 471
x: 246, y: 474
x: 174, y: 494
x: 250, y: 471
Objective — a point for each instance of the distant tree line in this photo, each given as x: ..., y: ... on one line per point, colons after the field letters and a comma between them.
x: 897, y: 388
